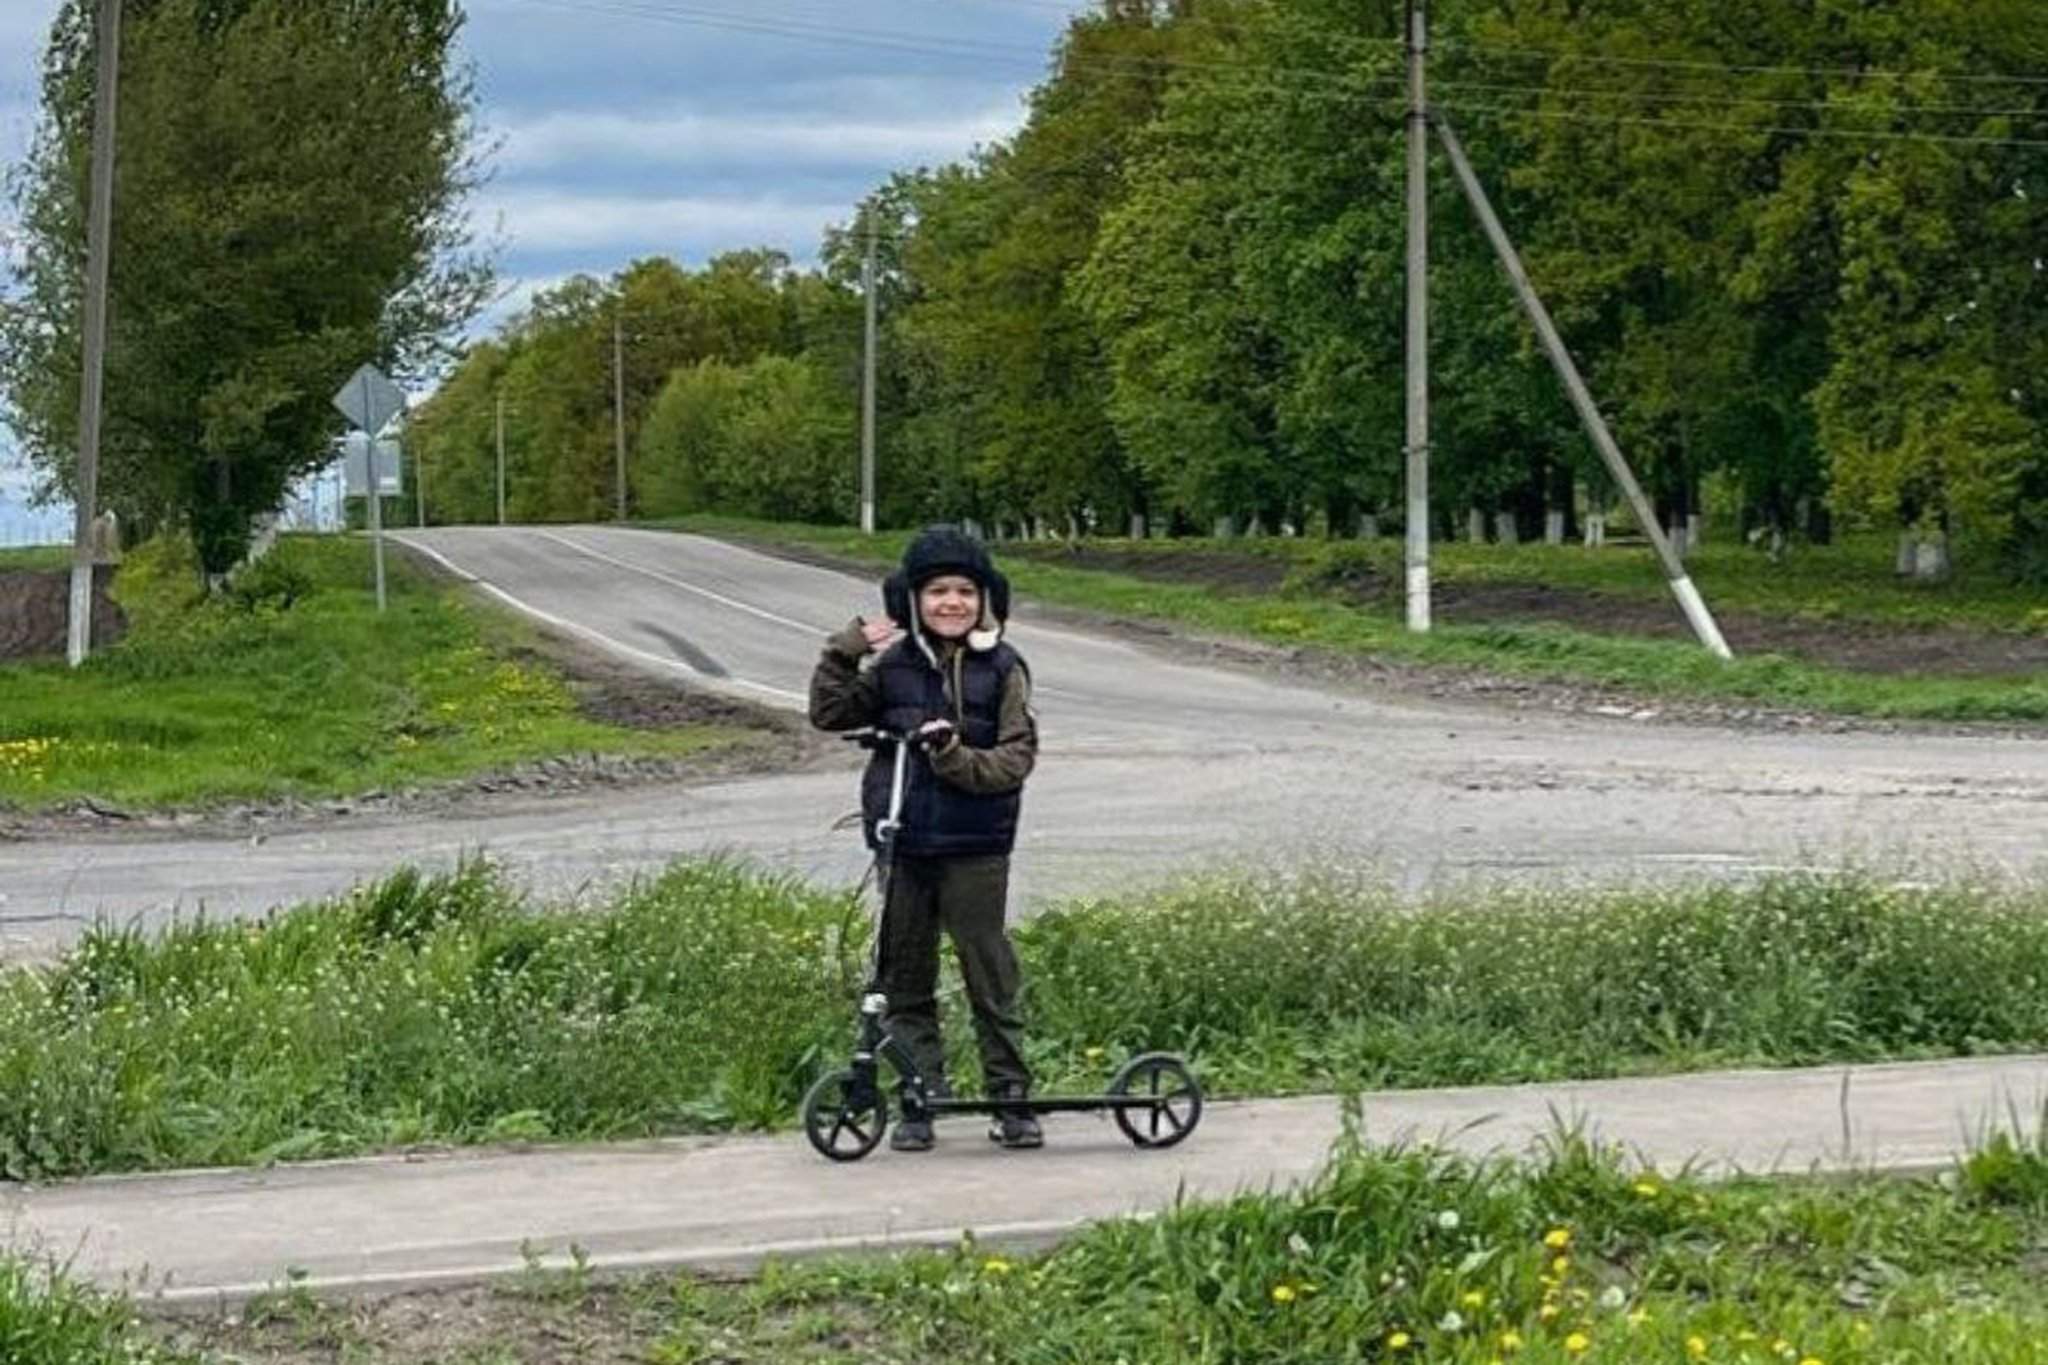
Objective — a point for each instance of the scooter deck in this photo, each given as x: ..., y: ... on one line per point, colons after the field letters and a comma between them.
x: 1049, y: 1104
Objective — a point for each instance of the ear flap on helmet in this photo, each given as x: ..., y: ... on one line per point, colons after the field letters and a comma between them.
x: 998, y: 595
x: 896, y: 599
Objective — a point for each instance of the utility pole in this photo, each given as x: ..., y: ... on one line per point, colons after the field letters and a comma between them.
x: 1418, y: 317
x: 619, y: 408
x: 98, y: 246
x: 501, y: 457
x: 419, y: 488
x: 867, y: 392
x: 1682, y: 587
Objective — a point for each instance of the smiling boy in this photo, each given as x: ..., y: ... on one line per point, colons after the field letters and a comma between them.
x: 939, y: 668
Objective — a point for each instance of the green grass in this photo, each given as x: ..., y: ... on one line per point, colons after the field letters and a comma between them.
x: 292, y: 686
x: 41, y: 557
x: 45, y: 1319
x: 1849, y: 584
x: 1408, y: 1255
x: 445, y: 1009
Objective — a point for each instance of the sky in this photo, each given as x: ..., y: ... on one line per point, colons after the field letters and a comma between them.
x: 629, y: 128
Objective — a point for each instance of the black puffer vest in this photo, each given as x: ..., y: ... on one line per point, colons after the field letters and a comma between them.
x: 940, y: 820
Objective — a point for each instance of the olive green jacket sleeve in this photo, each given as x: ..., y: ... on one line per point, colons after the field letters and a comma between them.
x: 844, y: 696
x: 1003, y: 768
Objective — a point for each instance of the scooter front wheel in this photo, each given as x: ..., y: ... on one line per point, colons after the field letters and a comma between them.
x: 1175, y: 1095
x: 844, y: 1116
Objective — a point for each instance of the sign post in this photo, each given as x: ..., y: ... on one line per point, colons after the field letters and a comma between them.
x: 370, y: 400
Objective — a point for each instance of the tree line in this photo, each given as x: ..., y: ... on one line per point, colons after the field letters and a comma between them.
x: 1797, y: 246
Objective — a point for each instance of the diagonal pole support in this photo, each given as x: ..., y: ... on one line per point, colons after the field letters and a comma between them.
x: 1689, y: 599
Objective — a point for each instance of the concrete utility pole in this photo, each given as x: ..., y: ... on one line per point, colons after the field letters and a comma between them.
x: 501, y: 457
x: 98, y: 245
x: 1689, y: 599
x: 619, y: 407
x: 867, y: 392
x: 1418, y: 317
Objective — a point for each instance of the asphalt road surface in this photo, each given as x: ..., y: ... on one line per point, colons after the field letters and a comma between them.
x: 1152, y: 768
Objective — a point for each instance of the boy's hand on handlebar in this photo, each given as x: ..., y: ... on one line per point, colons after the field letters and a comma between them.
x: 937, y: 736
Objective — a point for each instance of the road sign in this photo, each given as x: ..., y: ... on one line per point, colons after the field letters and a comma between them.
x: 370, y: 399
x: 355, y: 475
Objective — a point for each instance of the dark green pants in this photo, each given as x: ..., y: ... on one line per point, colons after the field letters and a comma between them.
x: 965, y: 897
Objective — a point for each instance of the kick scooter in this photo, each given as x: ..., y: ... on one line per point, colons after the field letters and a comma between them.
x: 1154, y: 1098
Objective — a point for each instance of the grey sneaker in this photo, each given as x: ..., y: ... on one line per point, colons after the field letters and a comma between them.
x: 911, y: 1135
x: 1015, y: 1128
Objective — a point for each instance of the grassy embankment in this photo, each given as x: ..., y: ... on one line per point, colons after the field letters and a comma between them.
x: 448, y: 1010
x: 1344, y: 597
x: 293, y: 684
x: 1390, y: 1257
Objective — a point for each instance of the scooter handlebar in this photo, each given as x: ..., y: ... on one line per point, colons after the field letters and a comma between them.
x: 874, y: 737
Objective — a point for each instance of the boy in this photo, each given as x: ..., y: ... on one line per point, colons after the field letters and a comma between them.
x: 942, y: 672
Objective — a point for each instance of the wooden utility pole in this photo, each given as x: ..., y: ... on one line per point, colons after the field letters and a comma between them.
x: 1417, y: 447
x: 1689, y: 599
x: 867, y: 391
x: 98, y: 247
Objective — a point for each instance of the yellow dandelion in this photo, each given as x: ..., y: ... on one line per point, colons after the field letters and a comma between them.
x: 1096, y: 1054
x: 1546, y: 1312
x: 1648, y: 1189
x: 1511, y: 1341
x: 1577, y: 1343
x: 1398, y: 1341
x: 1811, y: 1360
x: 1781, y: 1347
x: 1696, y: 1346
x: 1560, y: 1265
x: 995, y: 1265
x: 1283, y: 1293
x: 1472, y: 1298
x: 1639, y: 1317
x: 1557, y: 1239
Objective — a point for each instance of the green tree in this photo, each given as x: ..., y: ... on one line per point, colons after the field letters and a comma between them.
x: 771, y: 438
x: 289, y: 204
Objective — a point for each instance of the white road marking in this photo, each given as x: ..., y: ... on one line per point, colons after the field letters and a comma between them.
x: 689, y: 587
x: 794, y: 699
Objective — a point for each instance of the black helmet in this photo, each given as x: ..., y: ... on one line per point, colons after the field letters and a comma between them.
x: 938, y: 550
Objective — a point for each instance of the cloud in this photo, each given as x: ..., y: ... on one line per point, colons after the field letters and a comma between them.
x: 675, y: 139
x: 543, y: 221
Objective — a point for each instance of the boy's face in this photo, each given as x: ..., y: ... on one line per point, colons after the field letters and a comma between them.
x: 949, y: 606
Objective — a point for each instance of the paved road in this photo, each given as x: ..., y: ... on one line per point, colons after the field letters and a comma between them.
x: 726, y: 1204
x: 1151, y: 767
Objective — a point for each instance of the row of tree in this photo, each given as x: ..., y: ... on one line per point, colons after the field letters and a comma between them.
x: 1797, y: 245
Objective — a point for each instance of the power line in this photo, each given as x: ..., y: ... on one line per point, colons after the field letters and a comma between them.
x: 924, y: 45
x: 1676, y: 64
x: 1846, y: 134
x: 1657, y: 97
x: 1275, y: 79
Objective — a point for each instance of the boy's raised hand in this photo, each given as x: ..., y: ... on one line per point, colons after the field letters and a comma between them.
x: 879, y: 634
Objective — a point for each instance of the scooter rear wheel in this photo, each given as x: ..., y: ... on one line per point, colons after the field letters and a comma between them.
x: 1175, y: 1094
x: 845, y: 1117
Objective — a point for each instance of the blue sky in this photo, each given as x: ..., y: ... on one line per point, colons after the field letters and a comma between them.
x: 683, y: 127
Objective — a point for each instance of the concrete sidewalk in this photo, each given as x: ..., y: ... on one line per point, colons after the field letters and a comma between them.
x: 725, y: 1204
